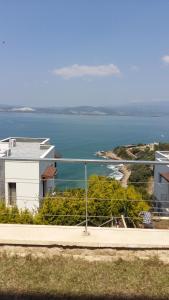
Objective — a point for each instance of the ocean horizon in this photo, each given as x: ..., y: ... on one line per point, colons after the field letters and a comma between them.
x: 83, y: 136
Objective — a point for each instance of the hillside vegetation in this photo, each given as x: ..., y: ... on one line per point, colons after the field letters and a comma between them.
x: 140, y: 174
x: 140, y: 151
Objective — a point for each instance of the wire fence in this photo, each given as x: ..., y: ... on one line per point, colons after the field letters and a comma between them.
x: 93, y: 202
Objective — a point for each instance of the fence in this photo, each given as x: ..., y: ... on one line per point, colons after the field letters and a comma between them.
x: 25, y: 192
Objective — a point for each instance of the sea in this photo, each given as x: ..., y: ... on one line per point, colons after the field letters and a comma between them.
x: 82, y: 136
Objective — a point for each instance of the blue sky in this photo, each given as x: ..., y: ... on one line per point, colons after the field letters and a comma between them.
x: 83, y: 52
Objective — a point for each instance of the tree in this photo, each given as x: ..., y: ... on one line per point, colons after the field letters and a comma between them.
x: 106, y: 199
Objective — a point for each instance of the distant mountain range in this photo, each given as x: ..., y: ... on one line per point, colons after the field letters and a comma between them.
x: 154, y: 109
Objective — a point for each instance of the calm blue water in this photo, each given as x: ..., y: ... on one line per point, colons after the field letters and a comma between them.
x: 82, y: 136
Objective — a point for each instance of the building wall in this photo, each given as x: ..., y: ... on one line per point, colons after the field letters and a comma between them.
x: 50, y: 183
x: 2, y: 179
x: 26, y: 177
x: 161, y: 186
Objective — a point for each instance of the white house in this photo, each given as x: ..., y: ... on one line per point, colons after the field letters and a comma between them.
x: 161, y: 182
x: 24, y: 183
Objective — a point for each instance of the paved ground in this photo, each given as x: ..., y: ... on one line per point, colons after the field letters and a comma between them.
x: 74, y: 236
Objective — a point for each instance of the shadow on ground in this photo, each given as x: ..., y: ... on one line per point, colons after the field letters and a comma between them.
x: 22, y: 296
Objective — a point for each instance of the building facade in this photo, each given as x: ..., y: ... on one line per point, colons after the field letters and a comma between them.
x: 161, y: 182
x: 24, y: 183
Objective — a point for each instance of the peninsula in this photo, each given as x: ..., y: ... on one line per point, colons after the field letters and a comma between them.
x: 141, y: 176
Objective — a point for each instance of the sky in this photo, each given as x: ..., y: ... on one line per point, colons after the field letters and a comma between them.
x: 83, y: 52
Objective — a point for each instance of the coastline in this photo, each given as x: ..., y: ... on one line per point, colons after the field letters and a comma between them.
x: 123, y: 169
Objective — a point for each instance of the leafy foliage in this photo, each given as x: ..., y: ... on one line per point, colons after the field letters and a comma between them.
x: 106, y: 198
x: 121, y: 152
x: 162, y: 147
x: 54, y: 208
x: 13, y: 215
x: 140, y: 174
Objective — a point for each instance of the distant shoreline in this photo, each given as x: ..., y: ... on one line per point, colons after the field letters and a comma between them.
x: 82, y: 114
x: 153, y: 109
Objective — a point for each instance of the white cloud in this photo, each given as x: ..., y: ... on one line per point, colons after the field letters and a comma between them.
x: 85, y: 70
x: 165, y: 58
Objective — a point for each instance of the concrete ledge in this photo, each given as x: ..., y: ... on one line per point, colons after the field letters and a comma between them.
x: 73, y: 236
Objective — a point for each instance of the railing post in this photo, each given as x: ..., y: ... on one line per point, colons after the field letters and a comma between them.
x: 86, y: 201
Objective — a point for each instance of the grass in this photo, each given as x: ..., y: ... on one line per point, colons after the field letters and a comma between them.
x: 66, y: 277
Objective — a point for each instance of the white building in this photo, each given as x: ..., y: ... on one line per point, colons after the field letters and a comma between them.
x: 24, y: 183
x: 161, y: 182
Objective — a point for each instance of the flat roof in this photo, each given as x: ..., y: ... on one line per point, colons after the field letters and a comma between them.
x: 32, y: 148
x: 164, y: 155
x: 39, y: 140
x: 27, y: 150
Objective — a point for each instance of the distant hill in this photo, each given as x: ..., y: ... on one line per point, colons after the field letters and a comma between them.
x: 132, y: 109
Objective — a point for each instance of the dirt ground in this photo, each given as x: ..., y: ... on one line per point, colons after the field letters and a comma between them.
x: 86, y: 254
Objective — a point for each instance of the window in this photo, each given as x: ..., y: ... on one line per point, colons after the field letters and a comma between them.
x: 12, y: 193
x: 44, y: 188
x: 159, y: 178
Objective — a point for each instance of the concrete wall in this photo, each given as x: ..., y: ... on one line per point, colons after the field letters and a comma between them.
x: 26, y: 176
x: 2, y: 179
x: 74, y: 236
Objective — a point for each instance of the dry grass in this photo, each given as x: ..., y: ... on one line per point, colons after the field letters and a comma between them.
x: 161, y: 224
x: 77, y: 279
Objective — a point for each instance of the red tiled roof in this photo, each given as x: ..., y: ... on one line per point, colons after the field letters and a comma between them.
x: 165, y: 176
x: 49, y: 172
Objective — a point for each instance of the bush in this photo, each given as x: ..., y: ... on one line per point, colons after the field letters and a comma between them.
x: 106, y: 198
x: 14, y: 216
x: 140, y: 175
x: 121, y: 152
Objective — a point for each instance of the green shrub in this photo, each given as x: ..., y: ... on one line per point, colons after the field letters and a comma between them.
x: 13, y: 215
x: 106, y: 198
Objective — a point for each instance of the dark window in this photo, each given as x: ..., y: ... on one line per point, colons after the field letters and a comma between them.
x: 159, y: 178
x: 12, y: 193
x: 44, y: 188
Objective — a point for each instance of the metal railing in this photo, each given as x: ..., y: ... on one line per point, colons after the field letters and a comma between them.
x: 160, y: 206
